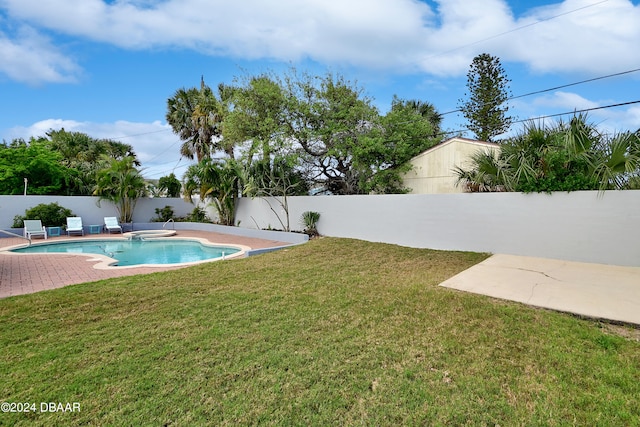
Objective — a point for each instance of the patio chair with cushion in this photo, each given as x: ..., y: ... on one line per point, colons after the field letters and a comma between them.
x: 34, y: 227
x: 111, y: 224
x: 74, y: 225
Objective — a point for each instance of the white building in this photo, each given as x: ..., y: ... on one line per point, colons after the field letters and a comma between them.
x: 433, y: 170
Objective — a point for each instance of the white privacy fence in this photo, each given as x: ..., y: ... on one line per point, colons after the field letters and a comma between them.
x: 88, y: 207
x: 580, y: 226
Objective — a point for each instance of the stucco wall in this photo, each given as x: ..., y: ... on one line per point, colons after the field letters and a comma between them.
x: 579, y: 226
x: 87, y: 207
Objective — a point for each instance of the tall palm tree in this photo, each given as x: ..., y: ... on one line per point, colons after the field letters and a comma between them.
x: 180, y: 112
x: 196, y: 116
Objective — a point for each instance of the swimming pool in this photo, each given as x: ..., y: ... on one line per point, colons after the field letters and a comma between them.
x: 127, y: 253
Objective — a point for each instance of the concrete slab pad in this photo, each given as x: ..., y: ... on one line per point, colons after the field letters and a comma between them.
x: 593, y: 290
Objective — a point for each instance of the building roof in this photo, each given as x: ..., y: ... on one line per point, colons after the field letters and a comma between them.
x: 459, y: 139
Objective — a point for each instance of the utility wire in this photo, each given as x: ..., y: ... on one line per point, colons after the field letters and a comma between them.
x: 584, y: 110
x: 141, y: 134
x: 161, y: 153
x: 515, y: 29
x: 543, y: 91
x: 560, y: 87
x: 576, y: 83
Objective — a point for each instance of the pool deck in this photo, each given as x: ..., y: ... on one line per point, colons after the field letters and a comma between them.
x: 26, y: 274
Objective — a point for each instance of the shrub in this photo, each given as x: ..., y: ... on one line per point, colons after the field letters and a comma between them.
x: 310, y: 220
x: 51, y: 215
x: 164, y: 214
x: 198, y: 215
x: 167, y: 213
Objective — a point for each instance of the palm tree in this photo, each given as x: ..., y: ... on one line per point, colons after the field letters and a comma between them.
x: 428, y: 111
x: 181, y: 108
x: 84, y: 156
x: 490, y: 173
x: 196, y: 115
x: 619, y: 162
x: 217, y: 179
x: 566, y: 156
x: 122, y: 184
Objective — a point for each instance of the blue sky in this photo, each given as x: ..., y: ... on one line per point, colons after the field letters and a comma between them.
x: 106, y: 68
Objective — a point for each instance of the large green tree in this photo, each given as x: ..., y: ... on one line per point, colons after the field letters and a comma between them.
x: 35, y: 162
x: 329, y: 119
x: 347, y: 146
x: 410, y: 127
x: 256, y: 119
x: 327, y: 129
x: 83, y: 156
x: 485, y: 105
x: 170, y: 185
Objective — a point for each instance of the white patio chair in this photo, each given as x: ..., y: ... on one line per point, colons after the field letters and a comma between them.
x: 112, y: 225
x: 74, y: 225
x: 34, y: 227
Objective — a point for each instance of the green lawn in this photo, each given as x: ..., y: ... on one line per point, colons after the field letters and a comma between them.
x: 333, y: 332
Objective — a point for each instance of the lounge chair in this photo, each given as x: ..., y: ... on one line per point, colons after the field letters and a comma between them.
x: 34, y: 227
x: 111, y: 224
x: 74, y: 225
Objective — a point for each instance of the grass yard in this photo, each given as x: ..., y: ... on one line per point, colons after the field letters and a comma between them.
x: 333, y: 332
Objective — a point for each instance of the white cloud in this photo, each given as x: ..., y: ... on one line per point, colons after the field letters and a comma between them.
x: 565, y: 100
x: 633, y: 116
x: 590, y: 36
x: 287, y: 29
x: 32, y: 58
x: 578, y: 35
x: 155, y: 144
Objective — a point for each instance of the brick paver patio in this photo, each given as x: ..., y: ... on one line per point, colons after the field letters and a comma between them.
x: 28, y: 273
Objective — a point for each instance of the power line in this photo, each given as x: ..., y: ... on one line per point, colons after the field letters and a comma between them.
x: 160, y: 154
x: 141, y: 134
x: 574, y: 84
x: 173, y: 168
x: 584, y: 110
x: 560, y: 87
x: 516, y: 29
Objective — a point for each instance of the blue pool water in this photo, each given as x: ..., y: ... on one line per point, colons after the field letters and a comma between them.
x: 136, y: 252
